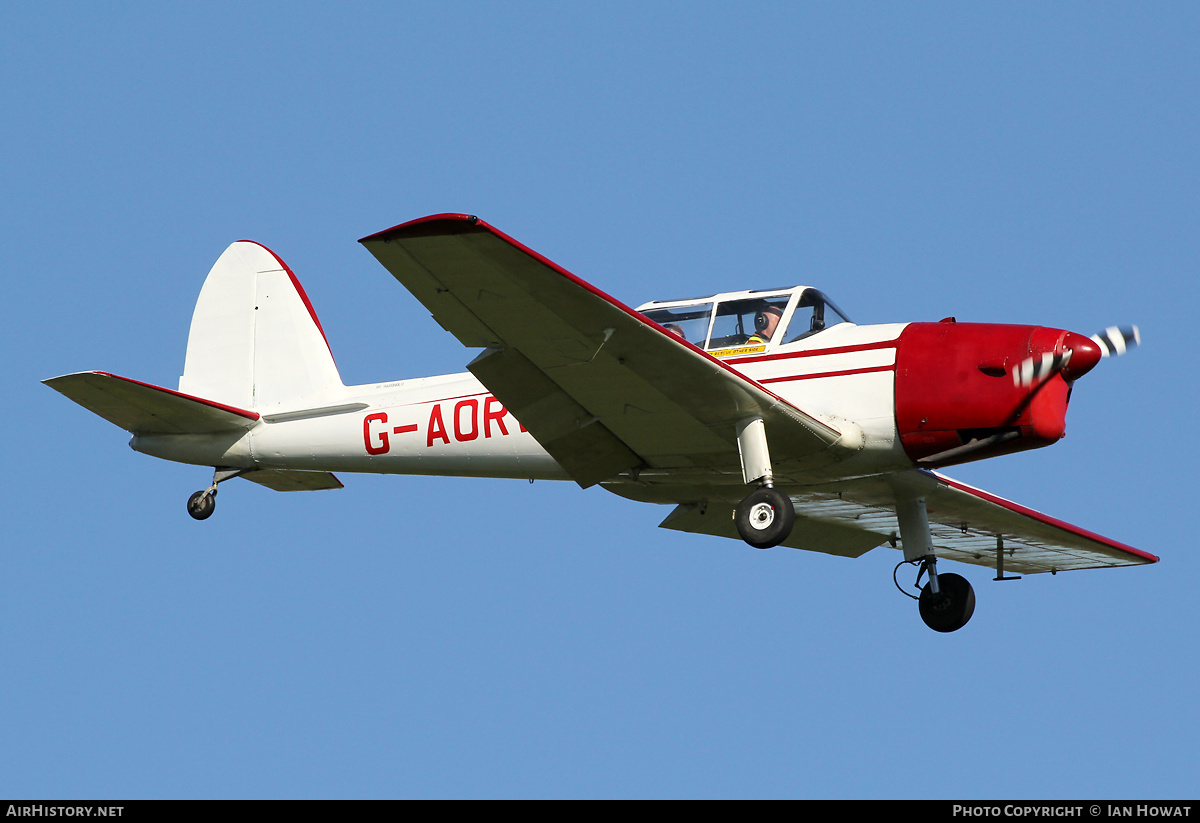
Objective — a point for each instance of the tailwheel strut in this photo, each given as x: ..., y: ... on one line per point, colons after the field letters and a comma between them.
x: 203, y: 503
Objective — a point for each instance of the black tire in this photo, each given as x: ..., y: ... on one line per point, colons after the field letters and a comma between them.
x: 765, y: 518
x: 201, y: 505
x: 951, y: 608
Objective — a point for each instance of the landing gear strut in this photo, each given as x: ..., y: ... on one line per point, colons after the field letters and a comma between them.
x: 947, y: 601
x: 765, y: 518
x: 203, y: 503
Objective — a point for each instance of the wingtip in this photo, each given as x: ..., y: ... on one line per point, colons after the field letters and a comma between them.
x: 446, y: 223
x: 50, y: 381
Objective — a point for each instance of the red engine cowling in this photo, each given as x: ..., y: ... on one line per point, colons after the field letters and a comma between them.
x: 956, y: 396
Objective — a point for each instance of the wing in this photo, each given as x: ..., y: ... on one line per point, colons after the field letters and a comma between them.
x: 967, y: 524
x: 971, y: 525
x: 602, y: 388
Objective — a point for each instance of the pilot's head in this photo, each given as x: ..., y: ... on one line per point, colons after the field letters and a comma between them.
x: 767, y: 320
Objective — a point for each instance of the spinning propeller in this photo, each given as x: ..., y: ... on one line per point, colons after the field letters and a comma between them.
x: 1079, y: 355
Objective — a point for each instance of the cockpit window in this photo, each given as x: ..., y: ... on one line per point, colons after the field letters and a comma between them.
x: 752, y: 321
x: 814, y: 312
x: 689, y: 322
x: 746, y: 322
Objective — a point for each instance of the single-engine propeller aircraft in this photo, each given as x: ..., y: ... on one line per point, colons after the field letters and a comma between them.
x: 765, y: 415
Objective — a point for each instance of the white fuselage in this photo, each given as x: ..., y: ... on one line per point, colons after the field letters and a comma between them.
x: 452, y: 425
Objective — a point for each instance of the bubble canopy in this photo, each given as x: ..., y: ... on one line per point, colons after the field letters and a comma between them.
x: 758, y: 318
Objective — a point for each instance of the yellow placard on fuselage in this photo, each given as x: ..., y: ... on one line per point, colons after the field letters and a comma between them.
x: 737, y: 350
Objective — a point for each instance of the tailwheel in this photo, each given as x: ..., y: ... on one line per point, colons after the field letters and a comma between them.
x: 202, y: 504
x: 765, y: 518
x: 951, y: 607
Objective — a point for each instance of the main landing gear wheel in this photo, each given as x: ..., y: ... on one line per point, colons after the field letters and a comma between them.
x: 202, y: 504
x: 765, y: 518
x: 951, y: 608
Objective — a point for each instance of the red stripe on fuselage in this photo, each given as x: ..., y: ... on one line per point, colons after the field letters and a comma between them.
x: 816, y: 375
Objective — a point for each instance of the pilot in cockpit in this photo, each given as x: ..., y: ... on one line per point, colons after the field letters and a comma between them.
x: 765, y: 322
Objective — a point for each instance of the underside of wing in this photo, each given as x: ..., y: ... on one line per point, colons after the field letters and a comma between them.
x: 602, y: 388
x: 141, y: 408
x: 966, y: 524
x: 810, y: 533
x: 973, y: 525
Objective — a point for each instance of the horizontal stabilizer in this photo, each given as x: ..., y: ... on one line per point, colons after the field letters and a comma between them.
x: 141, y: 408
x: 293, y: 480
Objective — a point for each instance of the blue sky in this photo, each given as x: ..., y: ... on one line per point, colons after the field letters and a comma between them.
x: 432, y: 637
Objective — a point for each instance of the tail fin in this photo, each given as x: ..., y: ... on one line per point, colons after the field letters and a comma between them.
x: 255, y: 341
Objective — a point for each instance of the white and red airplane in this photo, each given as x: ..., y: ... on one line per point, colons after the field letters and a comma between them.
x: 765, y: 415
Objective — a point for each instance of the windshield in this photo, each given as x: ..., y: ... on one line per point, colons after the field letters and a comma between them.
x: 750, y: 322
x: 815, y: 312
